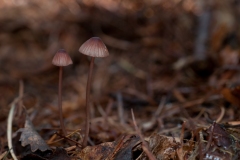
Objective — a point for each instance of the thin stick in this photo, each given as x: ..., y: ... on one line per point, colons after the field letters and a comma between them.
x: 144, y: 144
x: 64, y: 137
x: 58, y: 140
x: 221, y: 114
x: 180, y: 151
x: 200, y: 137
x: 210, y: 137
x: 60, y: 102
x: 10, y: 119
x: 4, y: 155
x: 68, y: 149
x: 9, y: 130
x: 160, y: 107
x: 182, y: 133
x: 87, y: 102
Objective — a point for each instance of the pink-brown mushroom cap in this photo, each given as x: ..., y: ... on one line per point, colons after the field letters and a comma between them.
x: 61, y: 58
x: 94, y: 47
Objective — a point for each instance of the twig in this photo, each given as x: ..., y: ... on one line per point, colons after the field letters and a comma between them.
x: 144, y: 144
x: 199, y: 148
x: 174, y: 107
x: 10, y: 119
x: 180, y: 151
x: 210, y: 137
x: 9, y: 131
x: 64, y: 137
x: 105, y: 114
x: 9, y: 128
x: 119, y: 144
x: 182, y: 133
x: 4, y: 155
x: 116, y: 43
x: 160, y: 106
x: 68, y: 149
x: 154, y: 120
x: 51, y: 139
x: 221, y: 114
x: 200, y: 135
x: 51, y: 142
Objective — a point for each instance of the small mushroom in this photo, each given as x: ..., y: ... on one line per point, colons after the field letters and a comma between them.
x: 61, y: 59
x: 94, y: 47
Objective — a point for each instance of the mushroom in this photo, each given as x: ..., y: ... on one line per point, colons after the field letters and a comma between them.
x: 61, y: 59
x: 94, y: 47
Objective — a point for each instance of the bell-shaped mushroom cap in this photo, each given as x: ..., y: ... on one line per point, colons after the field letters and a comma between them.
x: 94, y: 47
x: 61, y: 58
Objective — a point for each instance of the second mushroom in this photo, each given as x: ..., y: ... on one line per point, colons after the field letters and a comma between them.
x: 94, y: 47
x: 61, y: 59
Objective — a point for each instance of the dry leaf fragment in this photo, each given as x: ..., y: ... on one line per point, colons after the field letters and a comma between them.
x: 30, y: 136
x: 162, y: 147
x: 117, y: 150
x: 220, y: 136
x: 126, y: 153
x: 98, y: 152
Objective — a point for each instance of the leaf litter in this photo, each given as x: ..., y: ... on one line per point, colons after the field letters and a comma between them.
x: 29, y: 136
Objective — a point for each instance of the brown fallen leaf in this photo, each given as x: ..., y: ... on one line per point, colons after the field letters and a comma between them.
x: 97, y: 152
x: 30, y: 136
x: 126, y: 151
x: 162, y: 147
x: 220, y: 136
x: 120, y: 149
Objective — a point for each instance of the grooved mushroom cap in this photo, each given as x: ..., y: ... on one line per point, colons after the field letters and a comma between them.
x: 94, y: 47
x: 61, y: 58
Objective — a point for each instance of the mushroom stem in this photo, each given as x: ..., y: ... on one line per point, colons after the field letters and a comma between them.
x: 60, y: 101
x: 87, y: 102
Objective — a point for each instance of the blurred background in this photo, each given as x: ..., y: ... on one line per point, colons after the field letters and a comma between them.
x: 156, y: 47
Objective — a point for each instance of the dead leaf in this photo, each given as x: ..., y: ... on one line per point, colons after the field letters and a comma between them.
x: 98, y: 152
x: 125, y: 153
x: 30, y: 136
x: 220, y: 136
x: 117, y: 150
x: 162, y: 147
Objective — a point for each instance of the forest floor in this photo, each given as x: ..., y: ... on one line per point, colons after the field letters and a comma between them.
x: 173, y: 65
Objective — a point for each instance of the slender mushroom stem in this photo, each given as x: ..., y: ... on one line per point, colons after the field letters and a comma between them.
x: 60, y: 101
x: 87, y: 102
